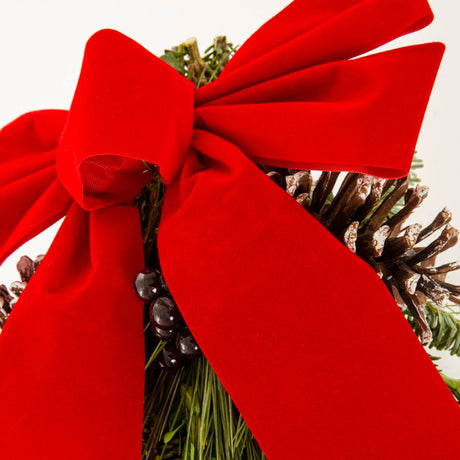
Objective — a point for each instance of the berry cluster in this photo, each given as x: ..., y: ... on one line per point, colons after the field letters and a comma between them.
x: 166, y: 321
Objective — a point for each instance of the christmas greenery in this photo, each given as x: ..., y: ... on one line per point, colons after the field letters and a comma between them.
x: 188, y: 413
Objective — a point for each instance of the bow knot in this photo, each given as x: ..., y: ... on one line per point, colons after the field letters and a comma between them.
x: 114, y: 122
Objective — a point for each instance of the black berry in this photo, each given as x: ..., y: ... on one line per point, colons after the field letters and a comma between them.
x: 186, y: 344
x: 165, y: 314
x: 149, y: 283
x: 163, y: 334
x: 169, y: 358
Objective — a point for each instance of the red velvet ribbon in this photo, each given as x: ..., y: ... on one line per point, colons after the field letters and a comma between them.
x: 302, y: 333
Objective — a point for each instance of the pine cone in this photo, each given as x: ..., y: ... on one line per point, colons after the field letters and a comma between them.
x: 6, y: 300
x: 26, y: 268
x: 361, y: 215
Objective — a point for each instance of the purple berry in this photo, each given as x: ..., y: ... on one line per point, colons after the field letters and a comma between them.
x: 186, y: 344
x: 149, y: 283
x: 163, y: 334
x: 165, y: 314
x: 169, y: 358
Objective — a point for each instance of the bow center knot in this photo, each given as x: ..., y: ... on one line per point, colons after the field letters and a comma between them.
x: 129, y: 107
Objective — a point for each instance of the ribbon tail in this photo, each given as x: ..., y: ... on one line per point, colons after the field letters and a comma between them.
x: 72, y: 352
x: 48, y: 208
x: 302, y: 333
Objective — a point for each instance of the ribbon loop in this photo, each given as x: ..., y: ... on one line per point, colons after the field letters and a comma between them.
x: 29, y: 189
x: 128, y: 106
x: 329, y: 31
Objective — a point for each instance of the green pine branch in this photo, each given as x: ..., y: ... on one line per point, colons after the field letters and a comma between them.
x: 454, y: 386
x: 445, y: 327
x: 188, y: 413
x: 417, y: 163
x: 201, y: 70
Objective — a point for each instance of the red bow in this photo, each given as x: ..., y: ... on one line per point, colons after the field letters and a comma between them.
x: 303, y: 334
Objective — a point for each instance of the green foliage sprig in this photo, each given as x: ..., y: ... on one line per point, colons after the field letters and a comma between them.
x: 445, y: 327
x: 201, y: 70
x: 188, y: 413
x: 454, y: 386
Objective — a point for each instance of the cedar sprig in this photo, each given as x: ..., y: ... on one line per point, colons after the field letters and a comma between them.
x: 444, y: 324
x: 201, y: 70
x: 454, y: 386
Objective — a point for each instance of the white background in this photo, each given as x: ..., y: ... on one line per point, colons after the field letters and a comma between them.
x: 42, y: 42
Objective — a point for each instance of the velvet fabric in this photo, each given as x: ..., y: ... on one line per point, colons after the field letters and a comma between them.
x: 303, y: 334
